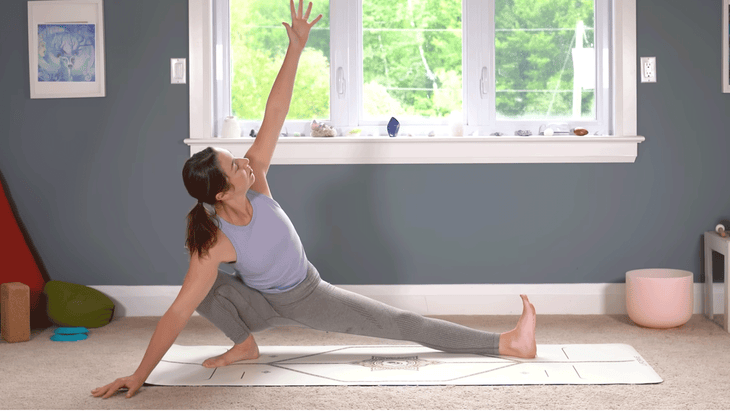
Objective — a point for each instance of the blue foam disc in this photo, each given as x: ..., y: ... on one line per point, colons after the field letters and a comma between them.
x: 72, y: 330
x: 74, y: 337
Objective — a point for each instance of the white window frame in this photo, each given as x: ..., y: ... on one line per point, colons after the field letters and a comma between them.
x: 621, y: 147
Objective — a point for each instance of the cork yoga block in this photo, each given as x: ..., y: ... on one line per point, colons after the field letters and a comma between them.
x: 15, y: 312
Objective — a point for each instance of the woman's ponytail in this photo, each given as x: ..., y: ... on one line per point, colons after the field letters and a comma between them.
x: 201, y: 231
x: 203, y: 179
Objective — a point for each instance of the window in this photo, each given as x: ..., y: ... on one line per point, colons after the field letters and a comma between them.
x: 493, y: 66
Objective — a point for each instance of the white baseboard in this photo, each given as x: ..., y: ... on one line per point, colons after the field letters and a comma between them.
x: 461, y: 299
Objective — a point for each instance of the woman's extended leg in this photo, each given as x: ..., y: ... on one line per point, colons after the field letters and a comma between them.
x: 237, y: 310
x: 319, y: 305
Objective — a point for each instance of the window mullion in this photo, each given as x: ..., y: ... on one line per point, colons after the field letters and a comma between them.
x: 478, y: 69
x: 604, y: 77
x: 354, y: 38
x: 221, y: 63
x: 343, y: 69
x: 338, y: 64
x: 488, y: 32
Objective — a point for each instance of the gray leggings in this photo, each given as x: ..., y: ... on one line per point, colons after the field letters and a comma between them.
x: 238, y: 310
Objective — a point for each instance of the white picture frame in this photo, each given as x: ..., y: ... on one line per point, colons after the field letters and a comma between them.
x: 725, y: 46
x: 66, y: 49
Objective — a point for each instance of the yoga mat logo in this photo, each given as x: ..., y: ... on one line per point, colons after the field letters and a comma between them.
x: 412, y: 363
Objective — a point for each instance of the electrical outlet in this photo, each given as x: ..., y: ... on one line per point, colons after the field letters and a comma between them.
x: 648, y: 69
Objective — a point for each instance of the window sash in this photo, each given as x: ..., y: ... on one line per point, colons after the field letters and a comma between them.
x: 479, y: 59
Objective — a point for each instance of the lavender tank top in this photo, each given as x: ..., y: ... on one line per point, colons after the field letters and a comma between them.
x: 270, y: 256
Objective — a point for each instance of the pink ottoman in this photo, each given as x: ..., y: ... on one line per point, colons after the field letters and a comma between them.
x: 660, y: 297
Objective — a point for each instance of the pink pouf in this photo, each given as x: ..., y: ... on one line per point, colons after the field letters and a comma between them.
x: 660, y: 297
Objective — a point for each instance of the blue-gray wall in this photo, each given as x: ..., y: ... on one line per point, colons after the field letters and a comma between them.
x: 97, y: 181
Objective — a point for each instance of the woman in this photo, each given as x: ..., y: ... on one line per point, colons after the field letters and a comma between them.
x: 249, y: 229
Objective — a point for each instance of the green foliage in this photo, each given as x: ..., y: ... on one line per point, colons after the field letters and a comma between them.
x: 407, y: 63
x: 539, y: 60
x: 258, y: 46
x: 412, y: 58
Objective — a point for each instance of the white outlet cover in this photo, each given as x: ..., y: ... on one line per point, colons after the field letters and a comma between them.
x: 648, y: 69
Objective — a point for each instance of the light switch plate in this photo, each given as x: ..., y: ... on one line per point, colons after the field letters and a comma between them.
x: 178, y: 71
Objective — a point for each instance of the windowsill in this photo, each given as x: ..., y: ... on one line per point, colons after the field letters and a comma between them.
x: 438, y: 150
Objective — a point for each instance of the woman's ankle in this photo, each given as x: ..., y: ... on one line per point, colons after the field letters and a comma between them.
x: 505, y: 343
x: 249, y: 344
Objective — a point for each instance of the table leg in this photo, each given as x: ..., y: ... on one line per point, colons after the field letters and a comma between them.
x: 726, y: 303
x: 708, y: 279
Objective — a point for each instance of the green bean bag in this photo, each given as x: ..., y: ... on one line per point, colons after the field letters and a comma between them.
x: 73, y: 305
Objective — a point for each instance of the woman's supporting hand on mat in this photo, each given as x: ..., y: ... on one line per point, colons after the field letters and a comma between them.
x: 133, y: 383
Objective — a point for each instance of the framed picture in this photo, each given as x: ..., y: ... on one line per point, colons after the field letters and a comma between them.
x: 66, y: 48
x: 725, y: 46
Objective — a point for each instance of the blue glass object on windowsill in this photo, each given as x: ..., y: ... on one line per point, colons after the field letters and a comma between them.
x: 393, y: 127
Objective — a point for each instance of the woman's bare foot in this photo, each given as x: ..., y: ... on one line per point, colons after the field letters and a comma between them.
x: 520, y: 342
x: 247, y: 350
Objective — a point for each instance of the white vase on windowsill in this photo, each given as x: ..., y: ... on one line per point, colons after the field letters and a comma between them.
x: 231, y: 128
x: 456, y: 123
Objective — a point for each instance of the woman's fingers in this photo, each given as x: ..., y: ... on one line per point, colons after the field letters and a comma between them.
x: 108, y: 390
x: 131, y: 392
x: 100, y: 390
x: 315, y: 21
x: 111, y: 390
x: 109, y: 393
x: 298, y: 14
x: 309, y: 9
x: 294, y: 13
x: 298, y: 31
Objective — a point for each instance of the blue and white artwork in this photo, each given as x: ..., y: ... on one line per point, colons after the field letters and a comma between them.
x: 66, y: 52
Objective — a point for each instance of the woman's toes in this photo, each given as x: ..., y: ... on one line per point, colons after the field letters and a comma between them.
x: 214, y: 362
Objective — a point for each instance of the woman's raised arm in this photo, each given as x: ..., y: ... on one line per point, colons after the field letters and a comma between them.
x: 277, y: 106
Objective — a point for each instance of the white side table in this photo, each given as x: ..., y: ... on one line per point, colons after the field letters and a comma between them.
x: 713, y: 242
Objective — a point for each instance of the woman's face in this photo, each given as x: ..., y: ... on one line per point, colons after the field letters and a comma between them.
x: 239, y: 173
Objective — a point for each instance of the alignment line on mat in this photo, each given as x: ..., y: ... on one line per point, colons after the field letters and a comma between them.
x: 181, y: 362
x: 305, y: 373
x: 312, y: 355
x: 576, y: 371
x: 482, y: 372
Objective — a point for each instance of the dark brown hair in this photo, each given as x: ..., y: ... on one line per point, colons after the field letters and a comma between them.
x: 203, y: 178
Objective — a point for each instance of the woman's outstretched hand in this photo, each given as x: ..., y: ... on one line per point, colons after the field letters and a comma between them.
x: 133, y: 383
x: 298, y: 32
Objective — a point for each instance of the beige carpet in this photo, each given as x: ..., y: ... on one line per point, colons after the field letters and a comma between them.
x: 693, y: 360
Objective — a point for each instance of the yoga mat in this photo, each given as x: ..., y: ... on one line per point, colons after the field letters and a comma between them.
x: 404, y: 365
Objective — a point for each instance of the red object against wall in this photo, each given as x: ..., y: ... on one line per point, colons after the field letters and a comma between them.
x: 17, y: 263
